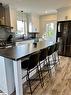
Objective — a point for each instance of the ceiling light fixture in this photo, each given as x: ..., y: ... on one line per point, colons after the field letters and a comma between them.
x: 22, y: 15
x: 46, y: 12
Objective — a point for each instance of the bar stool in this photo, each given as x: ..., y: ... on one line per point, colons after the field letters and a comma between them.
x: 45, y: 55
x: 50, y: 58
x: 29, y: 65
x: 43, y: 60
x: 42, y: 56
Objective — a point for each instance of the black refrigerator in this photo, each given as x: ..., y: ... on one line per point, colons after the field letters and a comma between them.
x: 64, y: 37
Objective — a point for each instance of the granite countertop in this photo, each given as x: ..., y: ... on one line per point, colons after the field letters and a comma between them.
x: 19, y: 40
x: 18, y: 52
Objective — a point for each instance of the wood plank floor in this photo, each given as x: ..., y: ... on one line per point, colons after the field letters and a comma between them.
x: 60, y: 83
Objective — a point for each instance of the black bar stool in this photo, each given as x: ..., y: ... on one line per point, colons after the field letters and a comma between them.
x: 50, y: 58
x: 45, y: 57
x: 51, y: 54
x: 29, y: 65
x: 42, y: 56
x: 43, y: 61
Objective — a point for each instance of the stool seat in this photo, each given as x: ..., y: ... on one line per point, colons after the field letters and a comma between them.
x: 51, y: 50
x: 43, y: 54
x: 24, y: 64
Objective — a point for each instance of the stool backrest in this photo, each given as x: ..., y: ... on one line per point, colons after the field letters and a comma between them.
x: 51, y: 49
x: 33, y: 60
x: 56, y: 46
x: 43, y: 54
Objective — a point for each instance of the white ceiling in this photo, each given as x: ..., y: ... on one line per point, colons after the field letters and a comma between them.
x: 38, y: 6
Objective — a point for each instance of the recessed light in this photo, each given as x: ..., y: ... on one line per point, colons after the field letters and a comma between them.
x: 46, y: 12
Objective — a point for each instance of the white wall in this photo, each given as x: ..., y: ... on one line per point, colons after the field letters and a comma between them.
x: 64, y: 14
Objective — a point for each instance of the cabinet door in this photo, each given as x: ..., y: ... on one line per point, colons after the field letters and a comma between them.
x: 7, y: 16
x: 4, y: 15
x: 65, y: 37
x: 1, y: 14
x: 69, y: 34
x: 65, y: 33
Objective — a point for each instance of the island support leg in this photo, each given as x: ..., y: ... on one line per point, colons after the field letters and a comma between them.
x: 18, y: 77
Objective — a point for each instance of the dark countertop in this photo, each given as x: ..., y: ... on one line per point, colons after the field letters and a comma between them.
x: 18, y: 52
x: 19, y: 40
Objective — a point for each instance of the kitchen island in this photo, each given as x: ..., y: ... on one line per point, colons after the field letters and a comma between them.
x: 13, y: 56
x: 23, y: 41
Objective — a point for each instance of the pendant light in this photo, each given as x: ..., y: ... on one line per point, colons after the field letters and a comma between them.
x: 22, y: 15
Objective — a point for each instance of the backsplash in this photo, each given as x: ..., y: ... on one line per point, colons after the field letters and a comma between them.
x: 4, y: 33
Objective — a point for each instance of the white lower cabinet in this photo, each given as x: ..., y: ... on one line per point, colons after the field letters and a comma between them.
x: 6, y: 75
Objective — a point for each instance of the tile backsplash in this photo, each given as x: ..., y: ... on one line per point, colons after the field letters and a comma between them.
x: 4, y: 33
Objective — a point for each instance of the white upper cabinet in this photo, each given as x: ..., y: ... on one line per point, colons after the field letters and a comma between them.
x: 34, y: 23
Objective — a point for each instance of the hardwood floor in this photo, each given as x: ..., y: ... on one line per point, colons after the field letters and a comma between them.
x: 60, y: 82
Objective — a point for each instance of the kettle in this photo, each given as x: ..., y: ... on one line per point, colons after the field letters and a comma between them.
x: 9, y: 39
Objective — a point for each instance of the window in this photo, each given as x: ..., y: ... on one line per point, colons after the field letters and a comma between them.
x: 30, y: 27
x: 22, y: 27
x: 50, y: 29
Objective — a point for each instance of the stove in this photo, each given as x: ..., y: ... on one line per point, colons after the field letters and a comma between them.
x: 5, y: 44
